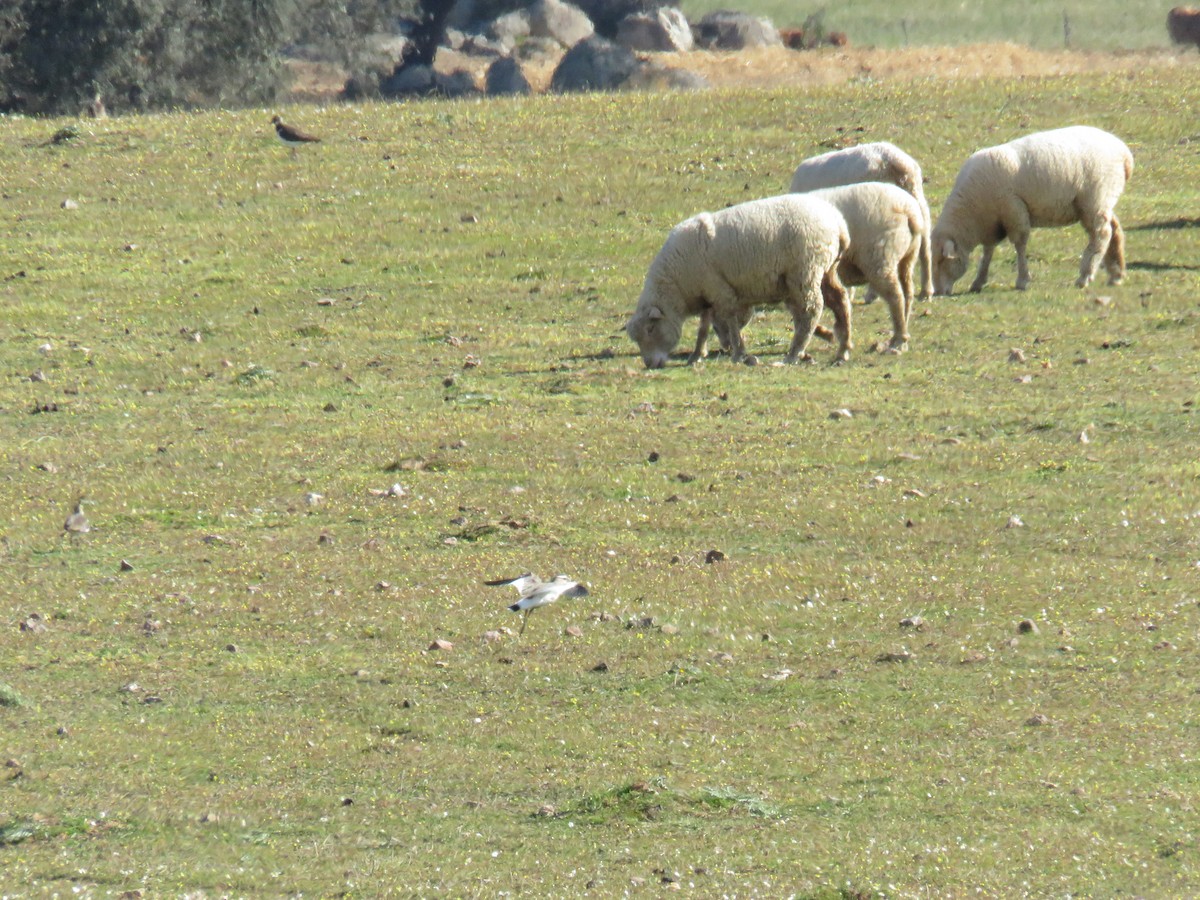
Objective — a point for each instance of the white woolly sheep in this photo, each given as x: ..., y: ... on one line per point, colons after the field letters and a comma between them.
x: 1051, y: 178
x: 776, y: 250
x: 887, y: 232
x: 878, y: 161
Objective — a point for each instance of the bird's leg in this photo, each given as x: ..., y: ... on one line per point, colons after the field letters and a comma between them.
x: 524, y: 622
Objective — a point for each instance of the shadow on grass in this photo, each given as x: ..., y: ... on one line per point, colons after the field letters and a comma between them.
x: 1166, y: 225
x: 1148, y: 266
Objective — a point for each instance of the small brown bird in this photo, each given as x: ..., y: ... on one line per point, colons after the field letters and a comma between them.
x: 291, y: 136
x: 77, y: 522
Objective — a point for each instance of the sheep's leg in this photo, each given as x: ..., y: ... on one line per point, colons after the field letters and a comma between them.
x: 1114, y: 259
x: 926, y: 260
x: 837, y: 299
x: 805, y: 306
x: 1100, y: 235
x: 701, y: 350
x: 985, y: 261
x: 731, y: 325
x: 891, y: 290
x: 907, y: 265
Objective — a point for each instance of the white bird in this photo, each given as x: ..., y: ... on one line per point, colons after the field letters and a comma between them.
x: 535, y: 592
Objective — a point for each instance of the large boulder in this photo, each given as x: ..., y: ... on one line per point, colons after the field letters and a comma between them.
x: 413, y: 80
x: 594, y: 64
x: 505, y: 77
x: 459, y: 83
x: 508, y: 30
x: 565, y: 23
x: 606, y: 15
x: 725, y: 30
x: 665, y: 29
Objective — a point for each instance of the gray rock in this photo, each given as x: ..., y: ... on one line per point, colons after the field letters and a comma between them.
x: 594, y: 64
x: 665, y: 29
x: 735, y: 31
x: 565, y: 23
x: 459, y: 83
x: 510, y: 29
x: 539, y: 49
x: 505, y: 77
x: 606, y: 15
x: 408, y: 81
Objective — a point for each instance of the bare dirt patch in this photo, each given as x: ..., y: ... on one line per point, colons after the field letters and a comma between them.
x: 781, y: 67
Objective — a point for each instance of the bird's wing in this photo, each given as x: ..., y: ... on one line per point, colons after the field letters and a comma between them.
x: 522, y: 583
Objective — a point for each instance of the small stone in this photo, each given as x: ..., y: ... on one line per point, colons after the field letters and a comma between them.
x: 347, y: 801
x: 152, y: 626
x: 1037, y: 720
x: 231, y: 648
x: 897, y: 656
x: 653, y: 457
x: 841, y: 414
x: 471, y: 361
x: 573, y: 631
x: 69, y: 204
x: 1027, y: 626
x: 1014, y: 521
x: 714, y: 556
x: 669, y: 629
x: 325, y: 538
x: 492, y: 636
x: 34, y: 624
x: 63, y: 731
x: 546, y: 811
x: 1016, y: 355
x: 915, y: 622
x: 1023, y: 379
x: 440, y: 644
x: 126, y: 566
x: 601, y: 666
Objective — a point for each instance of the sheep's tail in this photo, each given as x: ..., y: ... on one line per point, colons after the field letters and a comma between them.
x: 1128, y: 167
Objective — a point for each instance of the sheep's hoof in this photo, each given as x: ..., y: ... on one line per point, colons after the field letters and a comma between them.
x: 896, y: 349
x: 1023, y: 285
x: 1116, y: 279
x: 695, y: 358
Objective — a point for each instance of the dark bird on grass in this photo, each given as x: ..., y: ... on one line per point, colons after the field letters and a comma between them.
x: 292, y: 136
x: 77, y: 522
x: 535, y: 592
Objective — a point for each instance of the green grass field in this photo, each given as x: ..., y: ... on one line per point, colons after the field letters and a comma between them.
x: 235, y: 354
x: 1099, y: 25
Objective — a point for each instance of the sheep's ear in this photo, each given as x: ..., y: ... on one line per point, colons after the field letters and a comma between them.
x: 949, y: 251
x: 655, y: 313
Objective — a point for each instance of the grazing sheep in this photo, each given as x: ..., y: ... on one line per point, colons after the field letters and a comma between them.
x: 879, y: 161
x: 1183, y: 25
x: 887, y: 232
x: 776, y: 250
x: 1051, y: 178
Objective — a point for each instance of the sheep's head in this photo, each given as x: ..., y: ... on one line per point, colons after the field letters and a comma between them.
x: 949, y: 265
x: 655, y: 334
